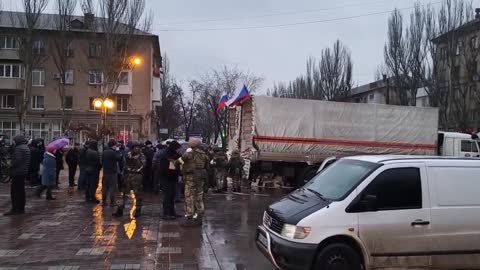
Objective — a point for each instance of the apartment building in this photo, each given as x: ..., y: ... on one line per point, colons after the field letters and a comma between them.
x: 132, y: 116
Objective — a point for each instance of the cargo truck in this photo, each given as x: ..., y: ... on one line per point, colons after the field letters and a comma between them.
x: 292, y: 137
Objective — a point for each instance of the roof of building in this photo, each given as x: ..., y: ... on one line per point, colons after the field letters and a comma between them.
x: 468, y: 26
x: 367, y: 88
x: 11, y: 19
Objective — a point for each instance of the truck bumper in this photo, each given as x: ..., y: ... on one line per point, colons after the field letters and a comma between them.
x: 283, y: 254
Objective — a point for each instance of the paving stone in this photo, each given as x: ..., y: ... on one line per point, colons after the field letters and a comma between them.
x: 64, y: 267
x: 170, y: 250
x: 11, y: 252
x: 169, y: 235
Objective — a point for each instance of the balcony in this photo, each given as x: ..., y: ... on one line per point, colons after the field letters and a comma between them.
x: 11, y: 84
x: 8, y: 54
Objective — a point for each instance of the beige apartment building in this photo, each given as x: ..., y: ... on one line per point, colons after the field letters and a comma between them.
x: 132, y: 116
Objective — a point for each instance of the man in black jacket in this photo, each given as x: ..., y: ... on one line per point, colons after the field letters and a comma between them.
x: 37, y: 150
x: 82, y: 163
x: 168, y: 173
x: 148, y: 152
x: 92, y: 170
x: 72, y: 161
x: 110, y: 162
x: 19, y: 171
x: 59, y: 158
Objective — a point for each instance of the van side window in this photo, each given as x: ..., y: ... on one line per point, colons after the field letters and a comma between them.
x: 397, y: 189
x: 469, y: 146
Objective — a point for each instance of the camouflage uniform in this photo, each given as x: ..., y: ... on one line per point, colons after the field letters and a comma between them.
x: 235, y: 170
x: 195, y: 174
x: 220, y: 163
x: 133, y: 176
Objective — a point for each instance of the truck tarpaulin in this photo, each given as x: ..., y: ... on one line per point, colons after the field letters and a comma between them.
x: 317, y: 129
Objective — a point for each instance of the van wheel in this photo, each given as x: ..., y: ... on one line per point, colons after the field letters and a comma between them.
x: 338, y: 257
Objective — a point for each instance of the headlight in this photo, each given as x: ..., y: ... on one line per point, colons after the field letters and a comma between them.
x: 295, y: 232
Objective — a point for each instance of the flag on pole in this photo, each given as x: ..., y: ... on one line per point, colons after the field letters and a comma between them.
x: 240, y: 96
x: 222, y: 103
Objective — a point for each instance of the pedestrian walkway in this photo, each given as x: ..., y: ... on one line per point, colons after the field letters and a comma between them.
x: 70, y: 234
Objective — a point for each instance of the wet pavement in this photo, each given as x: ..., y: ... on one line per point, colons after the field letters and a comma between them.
x: 70, y: 234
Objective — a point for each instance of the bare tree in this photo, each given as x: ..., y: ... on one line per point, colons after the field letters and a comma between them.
x: 167, y: 114
x: 121, y: 25
x: 31, y: 50
x: 188, y: 104
x: 61, y: 51
x: 336, y: 68
x: 396, y: 58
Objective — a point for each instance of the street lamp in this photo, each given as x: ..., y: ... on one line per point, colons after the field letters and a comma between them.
x: 137, y: 61
x: 104, y: 105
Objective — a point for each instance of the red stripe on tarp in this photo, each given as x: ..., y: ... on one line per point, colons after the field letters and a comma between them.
x: 326, y: 141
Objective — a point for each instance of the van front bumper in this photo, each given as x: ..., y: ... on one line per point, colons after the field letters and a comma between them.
x: 284, y: 254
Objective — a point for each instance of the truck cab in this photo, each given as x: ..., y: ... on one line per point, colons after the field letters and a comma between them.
x: 457, y: 145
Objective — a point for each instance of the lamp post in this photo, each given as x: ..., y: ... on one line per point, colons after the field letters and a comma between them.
x: 104, y: 105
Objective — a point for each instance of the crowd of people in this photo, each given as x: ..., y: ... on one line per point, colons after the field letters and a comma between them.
x: 135, y: 167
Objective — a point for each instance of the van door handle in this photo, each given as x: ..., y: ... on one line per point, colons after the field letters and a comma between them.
x: 420, y: 223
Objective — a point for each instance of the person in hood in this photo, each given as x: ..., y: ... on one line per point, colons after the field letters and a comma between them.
x: 19, y: 171
x: 72, y: 161
x: 37, y: 150
x: 92, y: 169
x: 49, y: 173
x: 110, y: 159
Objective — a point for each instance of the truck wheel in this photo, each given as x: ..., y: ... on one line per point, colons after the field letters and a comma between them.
x: 338, y: 257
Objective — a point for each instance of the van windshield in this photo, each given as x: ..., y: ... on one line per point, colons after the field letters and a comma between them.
x: 340, y: 178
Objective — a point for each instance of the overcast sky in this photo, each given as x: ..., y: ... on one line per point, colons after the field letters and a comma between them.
x: 276, y: 53
x: 279, y: 53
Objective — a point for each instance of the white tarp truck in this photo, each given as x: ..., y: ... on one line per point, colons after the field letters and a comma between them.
x: 291, y: 137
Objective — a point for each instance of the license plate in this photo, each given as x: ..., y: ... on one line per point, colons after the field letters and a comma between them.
x: 263, y: 240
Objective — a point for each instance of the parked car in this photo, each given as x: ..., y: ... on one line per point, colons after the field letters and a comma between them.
x: 373, y: 212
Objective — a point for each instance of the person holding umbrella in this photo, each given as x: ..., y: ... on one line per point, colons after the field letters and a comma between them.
x: 49, y: 173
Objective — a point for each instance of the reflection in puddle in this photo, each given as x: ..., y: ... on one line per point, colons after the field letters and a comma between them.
x: 130, y: 227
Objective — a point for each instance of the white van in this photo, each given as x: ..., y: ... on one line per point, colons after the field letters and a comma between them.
x: 457, y: 145
x: 374, y: 212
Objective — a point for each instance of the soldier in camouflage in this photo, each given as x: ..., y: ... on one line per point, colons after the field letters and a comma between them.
x: 235, y: 170
x: 133, y: 175
x: 220, y: 164
x: 196, y: 164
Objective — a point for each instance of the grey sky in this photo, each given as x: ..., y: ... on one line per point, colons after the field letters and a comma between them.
x: 278, y: 54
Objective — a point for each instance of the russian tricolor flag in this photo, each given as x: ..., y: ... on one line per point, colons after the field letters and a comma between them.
x: 223, y: 102
x: 239, y: 96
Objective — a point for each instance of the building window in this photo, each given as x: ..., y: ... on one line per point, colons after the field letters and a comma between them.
x: 38, y: 77
x: 39, y: 47
x: 38, y: 103
x: 38, y: 130
x: 95, y: 77
x: 68, y: 77
x: 9, y: 42
x: 8, y: 102
x: 371, y: 96
x: 92, y: 107
x: 68, y: 104
x: 123, y: 80
x: 68, y: 51
x: 10, y: 71
x: 8, y: 128
x: 95, y: 50
x: 459, y: 48
x: 122, y: 104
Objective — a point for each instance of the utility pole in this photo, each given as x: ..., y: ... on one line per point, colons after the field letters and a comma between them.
x: 387, y: 97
